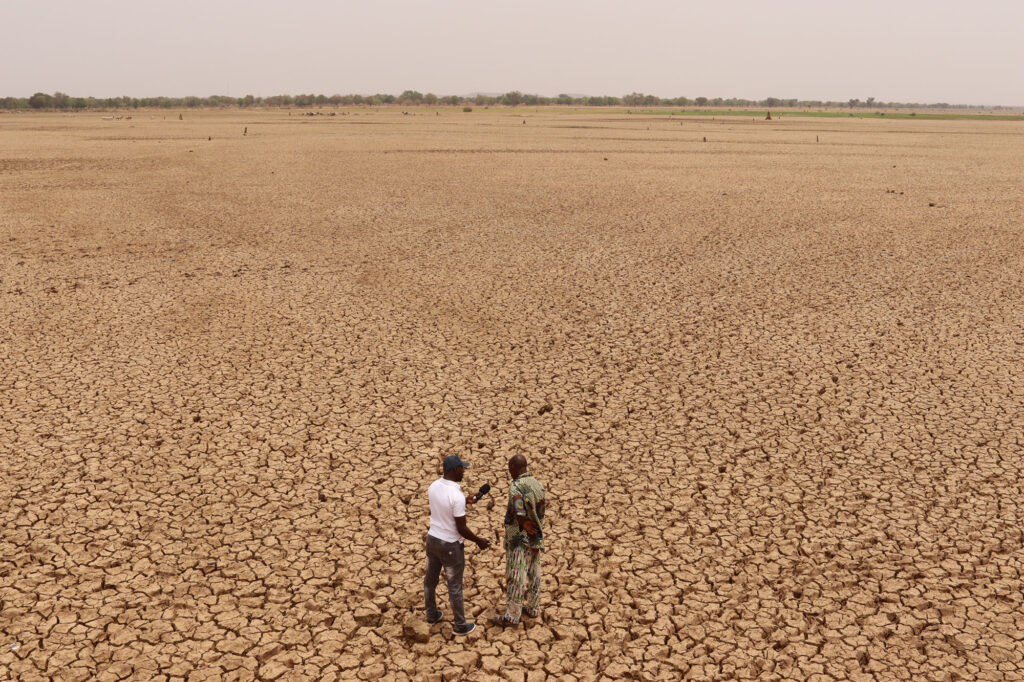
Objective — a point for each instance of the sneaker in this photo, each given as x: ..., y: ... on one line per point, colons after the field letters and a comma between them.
x: 432, y: 621
x: 465, y: 629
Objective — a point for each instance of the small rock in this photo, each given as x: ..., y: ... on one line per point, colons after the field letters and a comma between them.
x: 368, y: 615
x: 542, y: 635
x: 415, y: 629
x: 617, y: 670
x: 467, y: 660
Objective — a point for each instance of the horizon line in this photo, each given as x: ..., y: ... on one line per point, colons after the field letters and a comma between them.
x: 414, y: 97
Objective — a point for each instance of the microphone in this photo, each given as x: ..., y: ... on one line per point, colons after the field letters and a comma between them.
x: 484, y: 489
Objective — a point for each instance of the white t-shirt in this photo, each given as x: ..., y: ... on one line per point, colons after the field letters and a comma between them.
x: 446, y: 502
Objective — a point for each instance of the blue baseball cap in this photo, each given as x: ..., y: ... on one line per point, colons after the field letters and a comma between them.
x: 453, y: 462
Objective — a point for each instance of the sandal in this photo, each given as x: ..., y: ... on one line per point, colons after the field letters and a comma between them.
x: 503, y: 622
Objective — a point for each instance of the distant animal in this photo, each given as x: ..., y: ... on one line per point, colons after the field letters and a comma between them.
x: 768, y: 117
x: 246, y: 131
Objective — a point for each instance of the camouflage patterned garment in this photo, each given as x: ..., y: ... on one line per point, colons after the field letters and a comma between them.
x: 526, y: 498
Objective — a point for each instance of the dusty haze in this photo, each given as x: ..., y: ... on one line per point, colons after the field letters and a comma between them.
x: 909, y: 51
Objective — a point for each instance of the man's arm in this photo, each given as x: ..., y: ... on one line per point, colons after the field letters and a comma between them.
x: 527, y: 524
x: 464, y: 531
x: 519, y: 506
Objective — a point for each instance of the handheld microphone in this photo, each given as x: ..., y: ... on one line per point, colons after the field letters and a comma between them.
x: 484, y: 489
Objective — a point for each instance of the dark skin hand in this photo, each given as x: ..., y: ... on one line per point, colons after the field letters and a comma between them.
x: 464, y: 531
x: 460, y: 521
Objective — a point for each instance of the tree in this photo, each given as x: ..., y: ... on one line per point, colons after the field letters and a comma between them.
x: 853, y: 103
x: 512, y: 99
x: 40, y: 100
x: 430, y: 98
x: 701, y: 101
x: 633, y: 99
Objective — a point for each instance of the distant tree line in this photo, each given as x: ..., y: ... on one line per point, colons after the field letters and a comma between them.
x: 61, y: 101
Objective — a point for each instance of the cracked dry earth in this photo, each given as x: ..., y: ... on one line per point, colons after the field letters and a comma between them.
x: 772, y: 385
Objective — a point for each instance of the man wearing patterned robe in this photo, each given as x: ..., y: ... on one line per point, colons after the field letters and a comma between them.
x: 524, y: 543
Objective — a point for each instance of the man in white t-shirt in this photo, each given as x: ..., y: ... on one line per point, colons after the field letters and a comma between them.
x: 445, y: 547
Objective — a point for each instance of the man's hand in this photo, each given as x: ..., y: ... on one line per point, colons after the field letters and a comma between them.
x: 464, y: 531
x: 530, y: 527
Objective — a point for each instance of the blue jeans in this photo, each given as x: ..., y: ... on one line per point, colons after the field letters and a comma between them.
x: 451, y: 556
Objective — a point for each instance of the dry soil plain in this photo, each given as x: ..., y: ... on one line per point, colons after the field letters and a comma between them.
x: 773, y: 386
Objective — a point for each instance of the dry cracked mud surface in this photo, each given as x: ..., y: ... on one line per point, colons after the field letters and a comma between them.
x: 772, y: 385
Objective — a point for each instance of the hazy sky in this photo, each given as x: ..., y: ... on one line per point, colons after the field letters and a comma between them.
x: 893, y: 50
